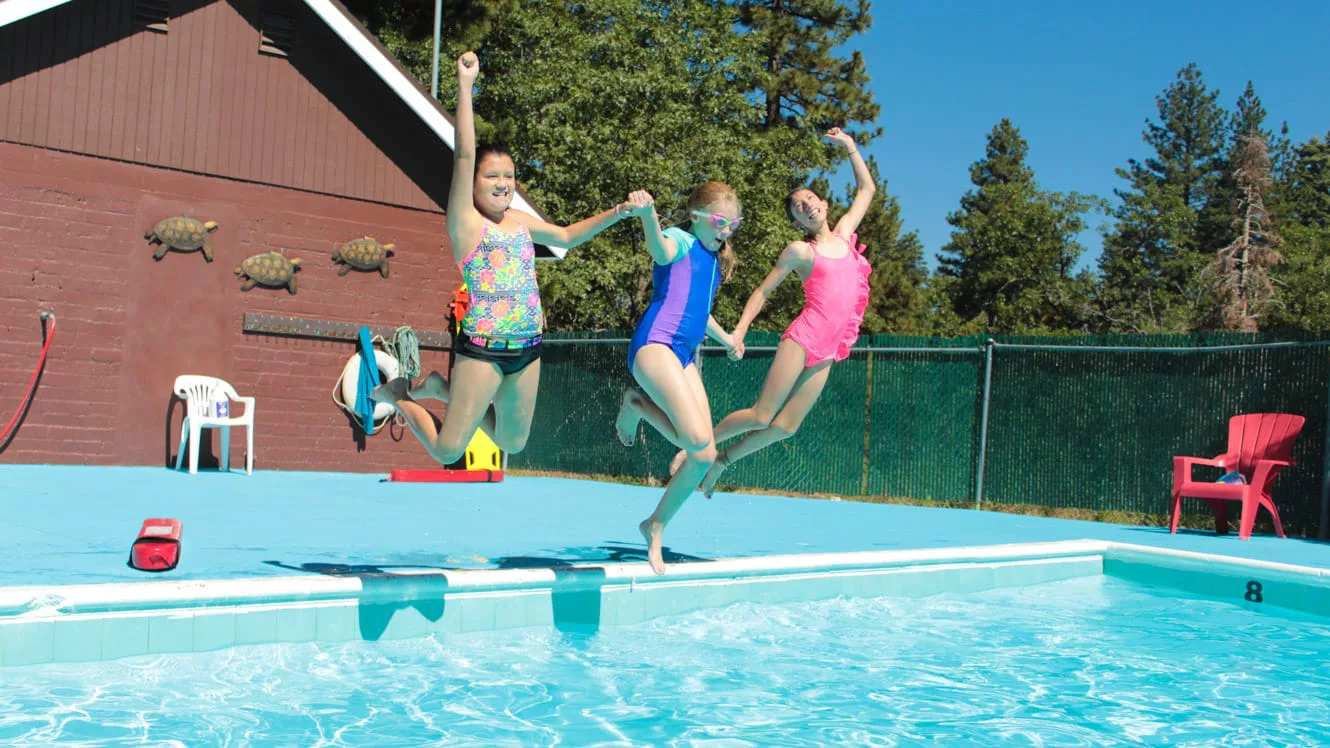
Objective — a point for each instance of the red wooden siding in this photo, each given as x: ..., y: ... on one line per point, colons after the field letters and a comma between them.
x: 85, y: 78
x: 72, y: 228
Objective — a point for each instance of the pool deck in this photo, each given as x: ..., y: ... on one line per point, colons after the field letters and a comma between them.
x: 74, y: 525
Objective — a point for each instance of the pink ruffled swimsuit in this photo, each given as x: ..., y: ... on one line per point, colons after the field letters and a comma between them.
x: 835, y: 297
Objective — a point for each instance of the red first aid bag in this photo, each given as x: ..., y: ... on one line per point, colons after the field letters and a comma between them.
x: 157, y: 547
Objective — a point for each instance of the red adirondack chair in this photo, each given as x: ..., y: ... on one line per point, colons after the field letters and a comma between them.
x: 1259, y: 445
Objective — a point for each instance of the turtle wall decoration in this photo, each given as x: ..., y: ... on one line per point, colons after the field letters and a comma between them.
x: 364, y: 253
x: 181, y: 233
x: 271, y: 269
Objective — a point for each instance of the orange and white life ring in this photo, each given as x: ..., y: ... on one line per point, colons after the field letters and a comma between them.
x: 350, y: 380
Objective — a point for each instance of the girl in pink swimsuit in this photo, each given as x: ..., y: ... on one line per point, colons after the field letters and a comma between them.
x: 831, y: 264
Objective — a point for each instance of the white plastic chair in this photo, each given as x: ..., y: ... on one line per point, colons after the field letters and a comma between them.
x: 202, y: 395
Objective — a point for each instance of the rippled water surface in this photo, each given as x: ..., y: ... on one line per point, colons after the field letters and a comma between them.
x: 1090, y: 661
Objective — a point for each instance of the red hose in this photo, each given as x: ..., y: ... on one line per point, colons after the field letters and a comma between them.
x: 32, y: 383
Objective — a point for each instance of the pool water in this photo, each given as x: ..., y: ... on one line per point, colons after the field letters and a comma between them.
x: 1089, y: 661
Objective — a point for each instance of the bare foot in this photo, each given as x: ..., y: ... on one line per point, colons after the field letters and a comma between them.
x: 651, y: 533
x: 713, y: 474
x: 625, y: 425
x: 677, y: 462
x: 392, y: 391
x: 433, y: 386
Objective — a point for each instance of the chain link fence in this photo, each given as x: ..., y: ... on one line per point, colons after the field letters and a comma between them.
x: 1069, y: 422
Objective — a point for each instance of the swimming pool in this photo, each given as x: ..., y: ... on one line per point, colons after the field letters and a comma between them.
x: 1088, y: 660
x: 403, y: 614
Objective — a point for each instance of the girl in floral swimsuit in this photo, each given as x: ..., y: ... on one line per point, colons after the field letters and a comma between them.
x: 498, y: 349
x: 831, y: 264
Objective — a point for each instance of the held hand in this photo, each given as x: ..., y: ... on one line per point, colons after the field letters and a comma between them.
x: 840, y: 136
x: 736, y: 348
x: 468, y: 66
x: 639, y: 203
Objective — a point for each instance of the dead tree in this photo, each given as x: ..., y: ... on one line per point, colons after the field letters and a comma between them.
x: 1241, y: 271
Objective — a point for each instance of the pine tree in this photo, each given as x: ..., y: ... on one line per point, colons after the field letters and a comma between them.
x: 1303, y: 195
x: 1153, y: 253
x: 1300, y: 202
x: 803, y: 81
x: 1012, y: 253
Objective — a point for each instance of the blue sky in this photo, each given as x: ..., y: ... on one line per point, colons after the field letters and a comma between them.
x: 1078, y: 79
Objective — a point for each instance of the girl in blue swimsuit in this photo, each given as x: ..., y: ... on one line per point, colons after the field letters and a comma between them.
x: 690, y: 265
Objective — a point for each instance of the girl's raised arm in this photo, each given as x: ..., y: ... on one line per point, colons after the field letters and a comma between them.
x: 863, y: 179
x: 464, y: 221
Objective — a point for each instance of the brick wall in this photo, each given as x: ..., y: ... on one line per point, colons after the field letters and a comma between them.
x: 71, y: 229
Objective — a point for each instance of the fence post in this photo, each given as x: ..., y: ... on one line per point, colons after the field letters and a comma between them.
x: 983, y: 423
x: 868, y: 428
x: 1322, y: 529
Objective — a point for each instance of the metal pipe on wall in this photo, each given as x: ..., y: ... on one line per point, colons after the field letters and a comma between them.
x: 434, y: 75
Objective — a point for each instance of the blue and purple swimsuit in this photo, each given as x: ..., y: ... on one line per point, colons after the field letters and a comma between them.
x: 682, y: 293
